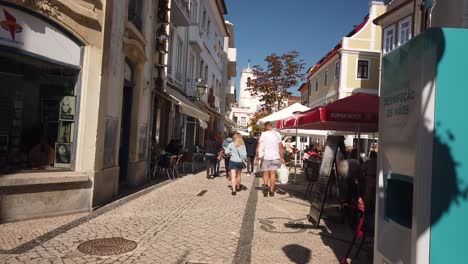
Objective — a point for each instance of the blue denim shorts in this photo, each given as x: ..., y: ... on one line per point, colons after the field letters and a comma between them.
x: 235, y: 165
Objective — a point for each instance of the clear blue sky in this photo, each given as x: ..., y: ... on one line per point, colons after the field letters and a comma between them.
x: 312, y: 27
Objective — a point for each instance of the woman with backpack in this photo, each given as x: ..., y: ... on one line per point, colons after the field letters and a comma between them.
x: 237, y: 162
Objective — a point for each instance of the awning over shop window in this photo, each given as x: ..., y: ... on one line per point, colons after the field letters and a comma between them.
x: 186, y: 106
x: 203, y: 124
x: 210, y: 110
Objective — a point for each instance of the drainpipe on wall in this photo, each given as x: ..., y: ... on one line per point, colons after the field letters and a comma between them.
x: 465, y: 14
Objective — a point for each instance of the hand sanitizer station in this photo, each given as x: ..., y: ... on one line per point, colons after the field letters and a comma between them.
x: 422, y: 195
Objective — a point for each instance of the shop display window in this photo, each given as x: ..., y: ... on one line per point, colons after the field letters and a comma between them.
x: 38, y: 110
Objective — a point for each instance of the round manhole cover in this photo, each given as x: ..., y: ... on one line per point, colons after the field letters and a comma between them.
x: 107, y: 246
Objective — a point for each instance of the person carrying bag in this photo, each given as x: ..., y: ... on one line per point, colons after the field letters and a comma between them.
x: 237, y: 162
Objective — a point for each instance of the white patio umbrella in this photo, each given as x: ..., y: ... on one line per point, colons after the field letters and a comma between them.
x: 282, y: 114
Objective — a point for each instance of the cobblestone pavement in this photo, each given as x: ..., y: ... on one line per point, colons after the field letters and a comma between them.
x: 190, y: 220
x: 284, y: 235
x: 14, y: 234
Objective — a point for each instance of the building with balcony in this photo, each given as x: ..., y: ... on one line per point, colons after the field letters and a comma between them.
x: 397, y: 24
x: 230, y: 75
x: 352, y: 65
x: 304, y: 89
x: 404, y: 19
x: 75, y: 129
x: 191, y: 72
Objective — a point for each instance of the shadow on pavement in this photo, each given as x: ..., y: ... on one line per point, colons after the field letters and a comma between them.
x: 297, y: 254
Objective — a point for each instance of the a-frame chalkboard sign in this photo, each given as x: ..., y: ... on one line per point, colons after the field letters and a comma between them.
x: 322, y: 186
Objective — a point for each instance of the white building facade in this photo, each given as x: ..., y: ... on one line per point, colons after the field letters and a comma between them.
x: 196, y: 56
x: 246, y: 100
x: 247, y: 104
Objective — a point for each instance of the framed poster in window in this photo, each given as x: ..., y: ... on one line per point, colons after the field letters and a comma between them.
x: 67, y: 108
x: 63, y: 155
x: 65, y: 132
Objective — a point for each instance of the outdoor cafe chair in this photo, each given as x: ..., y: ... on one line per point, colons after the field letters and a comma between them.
x: 312, y: 169
x: 166, y: 166
x: 188, y: 157
x: 176, y: 165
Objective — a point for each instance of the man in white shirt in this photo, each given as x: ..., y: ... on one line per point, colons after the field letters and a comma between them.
x: 273, y: 157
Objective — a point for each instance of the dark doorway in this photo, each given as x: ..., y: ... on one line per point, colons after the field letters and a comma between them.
x: 125, y: 127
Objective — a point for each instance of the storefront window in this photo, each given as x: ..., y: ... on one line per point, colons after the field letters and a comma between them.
x: 38, y: 106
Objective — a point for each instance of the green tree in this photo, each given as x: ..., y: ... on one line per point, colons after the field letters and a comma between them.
x: 271, y: 84
x: 254, y: 119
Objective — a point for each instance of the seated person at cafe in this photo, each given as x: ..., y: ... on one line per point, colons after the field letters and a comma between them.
x: 173, y: 147
x: 354, y: 155
x: 311, y: 152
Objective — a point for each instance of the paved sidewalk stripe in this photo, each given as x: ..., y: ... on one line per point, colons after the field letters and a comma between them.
x: 244, y: 244
x: 21, y: 249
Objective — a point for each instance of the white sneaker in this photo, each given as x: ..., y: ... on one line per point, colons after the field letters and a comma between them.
x: 248, y: 174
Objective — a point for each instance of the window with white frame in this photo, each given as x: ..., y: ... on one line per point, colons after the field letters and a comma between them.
x: 316, y: 84
x: 203, y: 22
x: 170, y: 63
x: 194, y: 13
x: 325, y: 79
x: 200, y: 69
x: 135, y: 13
x: 337, y: 70
x: 389, y: 39
x: 213, y: 81
x: 404, y: 28
x: 179, y: 58
x: 192, y: 68
x: 363, y: 69
x: 243, y: 121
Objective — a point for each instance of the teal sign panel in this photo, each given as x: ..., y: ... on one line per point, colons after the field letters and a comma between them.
x: 449, y: 197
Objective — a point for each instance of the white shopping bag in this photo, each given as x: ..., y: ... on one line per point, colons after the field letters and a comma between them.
x: 283, y: 173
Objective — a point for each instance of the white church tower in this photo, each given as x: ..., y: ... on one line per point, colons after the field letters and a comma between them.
x: 245, y: 99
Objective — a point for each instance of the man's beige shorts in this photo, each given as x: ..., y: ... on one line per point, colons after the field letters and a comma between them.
x: 270, y: 165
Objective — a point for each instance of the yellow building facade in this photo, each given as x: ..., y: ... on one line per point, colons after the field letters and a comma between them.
x: 353, y: 65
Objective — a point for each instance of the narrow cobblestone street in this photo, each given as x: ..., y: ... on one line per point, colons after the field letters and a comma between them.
x: 189, y: 220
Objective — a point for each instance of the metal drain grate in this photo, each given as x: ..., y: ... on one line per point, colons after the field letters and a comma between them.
x: 107, y: 246
x: 202, y: 193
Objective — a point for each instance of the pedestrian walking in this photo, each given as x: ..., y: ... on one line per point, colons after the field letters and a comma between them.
x: 211, y: 154
x: 227, y: 156
x: 273, y: 157
x: 251, y: 147
x: 219, y: 141
x: 236, y: 163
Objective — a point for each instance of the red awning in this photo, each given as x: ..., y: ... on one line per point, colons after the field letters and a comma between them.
x: 359, y: 112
